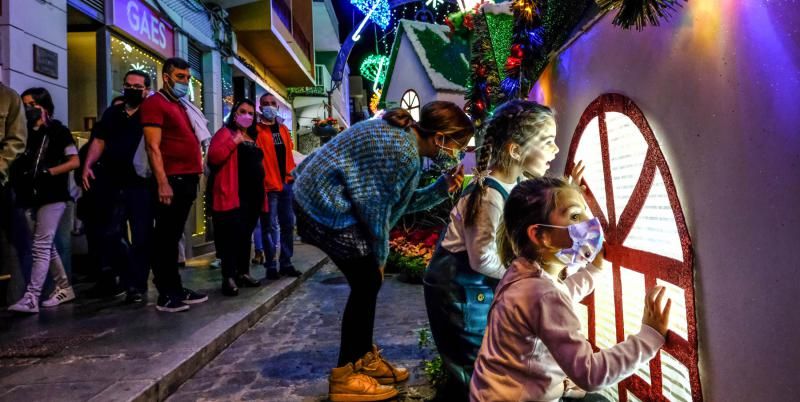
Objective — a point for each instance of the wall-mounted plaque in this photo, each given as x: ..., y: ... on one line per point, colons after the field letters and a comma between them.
x: 45, y: 62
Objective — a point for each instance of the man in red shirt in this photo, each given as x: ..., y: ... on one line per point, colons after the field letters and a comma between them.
x: 176, y: 161
x: 277, y: 225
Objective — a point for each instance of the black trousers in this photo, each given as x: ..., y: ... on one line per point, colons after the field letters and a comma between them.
x: 127, y: 207
x: 358, y: 321
x: 232, y: 230
x: 169, y: 223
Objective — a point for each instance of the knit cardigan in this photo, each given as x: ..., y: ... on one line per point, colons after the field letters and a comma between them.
x: 367, y: 175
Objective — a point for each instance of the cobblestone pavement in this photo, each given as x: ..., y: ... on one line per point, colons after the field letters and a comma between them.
x: 287, y: 356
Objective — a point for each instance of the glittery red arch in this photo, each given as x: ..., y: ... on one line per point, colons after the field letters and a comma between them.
x: 617, y: 226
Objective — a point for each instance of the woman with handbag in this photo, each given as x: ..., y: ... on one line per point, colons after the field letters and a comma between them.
x: 41, y: 181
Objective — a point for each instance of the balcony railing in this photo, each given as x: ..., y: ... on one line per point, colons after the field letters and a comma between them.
x: 284, y: 12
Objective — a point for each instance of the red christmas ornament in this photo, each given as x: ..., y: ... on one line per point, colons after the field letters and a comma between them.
x: 513, y: 62
x: 479, y: 106
x: 481, y: 71
x: 516, y: 51
x: 468, y: 22
x: 451, y: 26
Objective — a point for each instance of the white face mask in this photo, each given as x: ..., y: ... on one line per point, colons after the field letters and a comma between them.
x: 587, y: 241
x: 269, y: 112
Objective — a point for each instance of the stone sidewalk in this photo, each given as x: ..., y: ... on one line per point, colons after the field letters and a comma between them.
x: 107, y: 351
x: 288, y: 355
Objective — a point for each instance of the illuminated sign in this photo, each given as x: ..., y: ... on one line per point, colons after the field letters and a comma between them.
x: 142, y: 23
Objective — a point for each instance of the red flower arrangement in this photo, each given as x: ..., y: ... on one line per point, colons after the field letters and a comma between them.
x: 410, y: 251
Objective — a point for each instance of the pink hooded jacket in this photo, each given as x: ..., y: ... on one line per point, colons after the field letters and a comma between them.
x: 532, y: 341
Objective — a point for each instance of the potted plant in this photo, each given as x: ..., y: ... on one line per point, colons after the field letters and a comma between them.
x: 325, y: 128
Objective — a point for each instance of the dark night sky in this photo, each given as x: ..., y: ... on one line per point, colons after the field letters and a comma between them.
x: 349, y: 16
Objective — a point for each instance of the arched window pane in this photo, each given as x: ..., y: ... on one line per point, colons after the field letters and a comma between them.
x: 605, y: 316
x: 410, y: 102
x: 589, y: 152
x: 646, y: 232
x: 627, y: 150
x: 676, y: 379
x: 655, y: 229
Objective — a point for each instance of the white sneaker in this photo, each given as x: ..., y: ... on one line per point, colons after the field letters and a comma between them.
x: 27, y: 304
x: 59, y: 296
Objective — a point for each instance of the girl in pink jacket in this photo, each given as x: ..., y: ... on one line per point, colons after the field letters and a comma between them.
x: 533, y: 349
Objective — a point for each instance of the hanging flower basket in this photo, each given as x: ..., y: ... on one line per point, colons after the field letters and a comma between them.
x: 325, y: 127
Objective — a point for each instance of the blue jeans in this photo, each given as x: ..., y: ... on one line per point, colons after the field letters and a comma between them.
x: 277, y: 228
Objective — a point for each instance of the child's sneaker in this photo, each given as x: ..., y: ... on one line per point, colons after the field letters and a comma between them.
x: 27, y: 304
x: 59, y: 296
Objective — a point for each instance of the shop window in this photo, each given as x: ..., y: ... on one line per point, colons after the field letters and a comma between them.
x: 126, y: 56
x: 410, y: 102
x: 630, y: 188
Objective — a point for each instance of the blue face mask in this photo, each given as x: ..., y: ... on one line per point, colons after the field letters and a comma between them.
x: 269, y: 112
x: 587, y: 241
x: 445, y: 160
x: 179, y: 89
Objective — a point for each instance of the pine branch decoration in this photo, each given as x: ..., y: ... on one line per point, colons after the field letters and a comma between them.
x: 639, y: 13
x: 484, y: 80
x: 526, y: 48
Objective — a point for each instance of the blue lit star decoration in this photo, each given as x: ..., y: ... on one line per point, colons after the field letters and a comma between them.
x: 377, y: 10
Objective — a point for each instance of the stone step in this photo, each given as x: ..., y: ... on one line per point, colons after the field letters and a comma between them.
x: 107, y: 351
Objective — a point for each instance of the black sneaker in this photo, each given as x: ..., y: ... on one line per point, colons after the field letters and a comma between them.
x: 134, y: 297
x: 290, y: 271
x: 170, y: 304
x: 192, y: 297
x: 272, y: 274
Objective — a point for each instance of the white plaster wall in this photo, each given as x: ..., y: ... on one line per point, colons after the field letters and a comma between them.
x: 720, y: 86
x: 23, y: 24
x: 408, y: 74
x: 457, y: 98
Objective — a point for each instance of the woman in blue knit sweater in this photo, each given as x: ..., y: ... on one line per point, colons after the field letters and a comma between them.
x: 348, y: 195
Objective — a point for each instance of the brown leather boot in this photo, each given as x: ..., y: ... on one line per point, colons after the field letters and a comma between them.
x: 376, y: 367
x: 347, y: 384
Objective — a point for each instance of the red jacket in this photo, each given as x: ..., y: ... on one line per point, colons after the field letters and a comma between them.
x: 223, y: 155
x: 272, y: 174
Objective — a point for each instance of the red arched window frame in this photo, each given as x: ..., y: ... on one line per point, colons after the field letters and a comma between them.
x: 618, y: 224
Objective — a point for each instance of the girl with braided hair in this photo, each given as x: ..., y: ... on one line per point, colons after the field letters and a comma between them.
x: 460, y: 279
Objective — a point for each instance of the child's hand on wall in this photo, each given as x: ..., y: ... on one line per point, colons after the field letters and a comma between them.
x: 655, y: 315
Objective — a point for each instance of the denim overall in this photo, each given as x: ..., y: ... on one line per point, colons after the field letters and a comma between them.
x: 458, y: 300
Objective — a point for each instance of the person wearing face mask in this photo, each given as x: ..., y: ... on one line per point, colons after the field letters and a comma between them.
x: 277, y: 226
x: 125, y: 197
x: 176, y: 162
x: 236, y: 194
x: 459, y: 282
x: 349, y: 194
x: 533, y: 349
x: 41, y: 182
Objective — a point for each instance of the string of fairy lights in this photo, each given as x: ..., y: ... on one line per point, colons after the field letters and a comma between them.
x: 373, y: 67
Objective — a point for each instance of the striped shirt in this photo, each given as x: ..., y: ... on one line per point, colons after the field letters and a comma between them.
x: 366, y: 176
